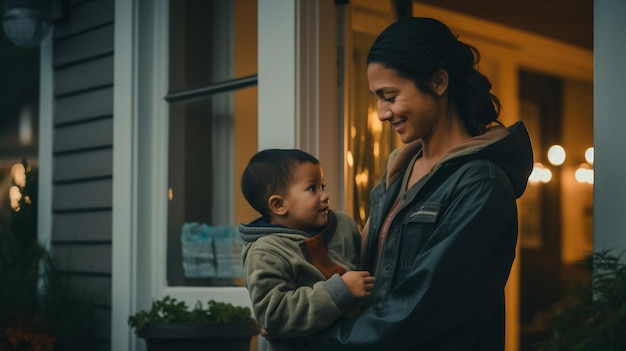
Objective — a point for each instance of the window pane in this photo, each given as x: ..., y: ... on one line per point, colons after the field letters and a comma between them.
x: 211, y: 138
x: 203, y: 245
x: 201, y: 43
x: 369, y: 140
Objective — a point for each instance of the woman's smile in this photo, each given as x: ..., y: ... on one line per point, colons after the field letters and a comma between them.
x: 397, y: 125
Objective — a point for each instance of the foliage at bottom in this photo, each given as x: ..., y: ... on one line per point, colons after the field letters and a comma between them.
x: 38, y: 311
x: 592, y: 316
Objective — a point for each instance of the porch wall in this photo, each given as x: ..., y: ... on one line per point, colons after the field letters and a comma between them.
x: 82, y: 156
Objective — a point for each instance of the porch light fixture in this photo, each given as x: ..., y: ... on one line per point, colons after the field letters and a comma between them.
x: 27, y: 22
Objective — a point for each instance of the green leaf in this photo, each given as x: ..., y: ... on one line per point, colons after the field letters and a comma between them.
x: 170, y: 310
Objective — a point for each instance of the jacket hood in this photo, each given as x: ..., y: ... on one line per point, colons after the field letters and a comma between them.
x: 260, y: 227
x: 510, y: 148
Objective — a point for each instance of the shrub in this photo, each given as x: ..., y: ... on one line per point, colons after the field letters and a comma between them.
x: 592, y: 316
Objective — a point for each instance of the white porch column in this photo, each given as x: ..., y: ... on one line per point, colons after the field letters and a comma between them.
x: 299, y: 101
x: 123, y: 268
x: 609, y: 126
x: 278, y: 53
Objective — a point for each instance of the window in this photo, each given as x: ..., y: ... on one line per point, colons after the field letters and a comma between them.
x: 369, y: 141
x: 212, y: 134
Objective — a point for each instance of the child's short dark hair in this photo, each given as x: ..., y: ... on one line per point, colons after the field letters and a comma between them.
x: 269, y: 172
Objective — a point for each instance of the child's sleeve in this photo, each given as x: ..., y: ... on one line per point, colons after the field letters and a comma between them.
x: 285, y: 309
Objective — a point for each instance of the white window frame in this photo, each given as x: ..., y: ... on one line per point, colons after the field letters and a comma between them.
x: 153, y: 136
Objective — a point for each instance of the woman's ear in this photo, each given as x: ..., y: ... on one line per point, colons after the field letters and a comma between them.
x: 277, y: 205
x: 440, y: 82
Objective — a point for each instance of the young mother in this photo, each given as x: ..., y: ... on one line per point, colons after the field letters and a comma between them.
x: 442, y: 230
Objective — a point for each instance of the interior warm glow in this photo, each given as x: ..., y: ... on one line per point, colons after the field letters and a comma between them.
x: 170, y: 194
x: 589, y: 155
x: 556, y: 155
x: 362, y: 212
x: 361, y: 178
x: 376, y: 126
x: 349, y: 159
x: 376, y: 149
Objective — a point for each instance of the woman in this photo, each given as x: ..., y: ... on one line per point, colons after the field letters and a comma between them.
x: 442, y: 230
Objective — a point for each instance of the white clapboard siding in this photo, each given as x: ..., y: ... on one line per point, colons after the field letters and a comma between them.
x: 96, y: 287
x: 93, y: 226
x: 83, y: 165
x: 84, y: 16
x: 84, y: 46
x: 84, y: 196
x: 82, y: 107
x: 96, y: 134
x: 102, y: 329
x: 82, y: 258
x: 82, y: 169
x: 85, y: 75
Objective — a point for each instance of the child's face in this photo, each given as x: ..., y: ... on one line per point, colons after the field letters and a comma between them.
x: 306, y: 201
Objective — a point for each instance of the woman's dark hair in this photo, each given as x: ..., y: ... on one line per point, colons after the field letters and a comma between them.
x: 269, y: 172
x: 416, y: 48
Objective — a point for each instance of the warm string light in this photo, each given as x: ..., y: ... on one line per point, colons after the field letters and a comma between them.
x: 584, y: 173
x: 540, y: 174
x: 589, y: 155
x: 556, y: 157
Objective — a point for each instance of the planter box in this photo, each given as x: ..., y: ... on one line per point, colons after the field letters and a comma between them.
x: 196, y: 337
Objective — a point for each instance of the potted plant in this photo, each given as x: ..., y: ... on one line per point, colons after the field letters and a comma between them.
x: 592, y: 316
x: 171, y: 325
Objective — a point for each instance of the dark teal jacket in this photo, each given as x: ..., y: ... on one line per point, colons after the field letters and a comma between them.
x: 441, y: 275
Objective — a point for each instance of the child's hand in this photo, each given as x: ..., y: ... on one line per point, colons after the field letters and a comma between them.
x: 360, y: 283
x: 266, y: 335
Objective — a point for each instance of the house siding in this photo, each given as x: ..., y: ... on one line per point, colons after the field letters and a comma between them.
x: 82, y: 162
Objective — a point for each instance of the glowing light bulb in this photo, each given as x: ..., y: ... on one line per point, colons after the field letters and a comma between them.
x: 540, y: 174
x: 556, y: 155
x: 584, y: 174
x: 589, y: 155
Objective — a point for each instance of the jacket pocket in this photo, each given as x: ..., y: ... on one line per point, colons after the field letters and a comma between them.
x: 417, y: 227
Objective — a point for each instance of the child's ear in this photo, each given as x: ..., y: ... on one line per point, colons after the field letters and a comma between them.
x: 277, y: 205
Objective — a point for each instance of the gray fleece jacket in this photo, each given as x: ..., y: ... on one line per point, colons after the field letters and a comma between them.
x: 291, y: 298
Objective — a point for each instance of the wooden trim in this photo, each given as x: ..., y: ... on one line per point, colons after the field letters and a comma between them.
x: 46, y: 130
x: 124, y: 177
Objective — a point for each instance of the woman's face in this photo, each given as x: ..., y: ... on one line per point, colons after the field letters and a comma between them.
x: 411, y: 112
